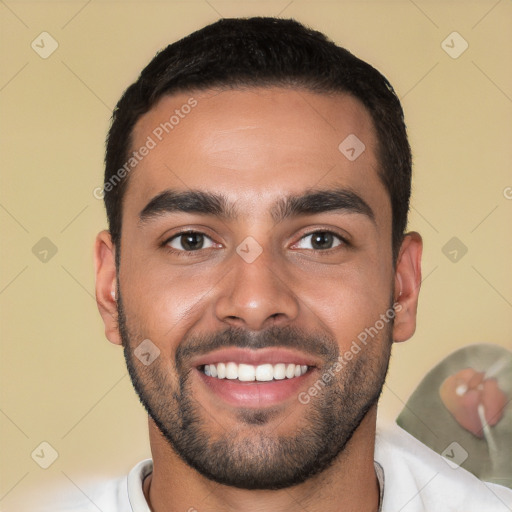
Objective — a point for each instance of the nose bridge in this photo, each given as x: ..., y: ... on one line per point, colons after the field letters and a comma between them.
x: 255, y: 294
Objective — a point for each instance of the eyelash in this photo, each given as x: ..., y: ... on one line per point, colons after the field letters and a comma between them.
x: 182, y: 253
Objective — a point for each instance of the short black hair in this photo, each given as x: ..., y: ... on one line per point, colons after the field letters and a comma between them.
x: 262, y: 52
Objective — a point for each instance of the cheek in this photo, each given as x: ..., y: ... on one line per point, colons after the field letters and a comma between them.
x: 345, y: 300
x: 162, y: 303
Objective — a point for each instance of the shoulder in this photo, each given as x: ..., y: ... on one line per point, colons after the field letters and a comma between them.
x: 417, y: 479
x: 115, y: 495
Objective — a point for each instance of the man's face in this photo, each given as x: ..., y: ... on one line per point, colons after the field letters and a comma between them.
x: 271, y: 281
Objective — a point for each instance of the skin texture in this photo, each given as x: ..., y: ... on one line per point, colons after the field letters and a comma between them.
x: 255, y: 147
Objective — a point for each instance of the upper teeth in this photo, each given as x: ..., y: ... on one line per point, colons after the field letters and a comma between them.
x: 248, y: 372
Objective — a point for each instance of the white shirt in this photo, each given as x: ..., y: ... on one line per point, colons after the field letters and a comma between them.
x: 416, y: 479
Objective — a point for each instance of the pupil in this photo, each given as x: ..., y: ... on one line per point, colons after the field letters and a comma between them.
x: 192, y: 241
x: 322, y: 240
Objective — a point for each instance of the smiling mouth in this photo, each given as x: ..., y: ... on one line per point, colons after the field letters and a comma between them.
x: 254, y: 373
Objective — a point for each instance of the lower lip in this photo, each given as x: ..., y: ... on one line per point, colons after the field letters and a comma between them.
x: 255, y: 394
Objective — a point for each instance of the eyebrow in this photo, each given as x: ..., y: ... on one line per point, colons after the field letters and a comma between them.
x: 214, y: 204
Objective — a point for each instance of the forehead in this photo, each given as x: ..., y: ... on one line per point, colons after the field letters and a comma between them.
x: 256, y: 144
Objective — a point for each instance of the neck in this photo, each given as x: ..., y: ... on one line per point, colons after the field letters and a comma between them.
x: 349, y: 484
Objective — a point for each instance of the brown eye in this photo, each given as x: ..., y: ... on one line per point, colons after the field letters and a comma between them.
x: 320, y: 240
x: 189, y: 241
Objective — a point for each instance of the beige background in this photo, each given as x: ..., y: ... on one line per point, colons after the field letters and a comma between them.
x: 61, y: 381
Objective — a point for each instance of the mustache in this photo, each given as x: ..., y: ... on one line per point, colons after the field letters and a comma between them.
x: 318, y: 345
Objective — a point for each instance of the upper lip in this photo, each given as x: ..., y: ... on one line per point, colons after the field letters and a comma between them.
x: 270, y: 355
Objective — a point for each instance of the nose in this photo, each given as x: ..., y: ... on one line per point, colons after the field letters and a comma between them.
x: 256, y: 295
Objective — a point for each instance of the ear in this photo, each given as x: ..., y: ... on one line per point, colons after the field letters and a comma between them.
x: 104, y: 260
x: 407, y: 286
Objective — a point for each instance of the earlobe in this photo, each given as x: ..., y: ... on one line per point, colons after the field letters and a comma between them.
x: 104, y: 259
x: 407, y: 283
